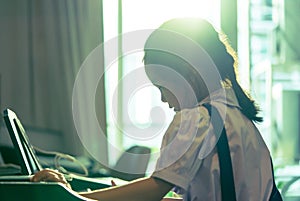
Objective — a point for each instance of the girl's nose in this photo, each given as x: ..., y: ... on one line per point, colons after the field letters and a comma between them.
x: 163, y: 99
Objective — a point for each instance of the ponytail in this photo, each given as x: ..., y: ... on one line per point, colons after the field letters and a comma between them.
x: 248, y: 107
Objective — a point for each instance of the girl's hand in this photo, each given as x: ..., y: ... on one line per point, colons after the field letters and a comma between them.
x: 50, y: 175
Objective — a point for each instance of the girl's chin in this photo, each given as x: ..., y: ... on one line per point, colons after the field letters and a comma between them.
x: 176, y: 109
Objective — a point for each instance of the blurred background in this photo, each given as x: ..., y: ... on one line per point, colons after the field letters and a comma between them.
x: 44, y: 44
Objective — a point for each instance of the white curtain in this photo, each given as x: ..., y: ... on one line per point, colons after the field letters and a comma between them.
x: 43, y: 44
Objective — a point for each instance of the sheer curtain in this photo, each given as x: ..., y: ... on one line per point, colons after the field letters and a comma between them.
x: 140, y: 118
x: 43, y: 46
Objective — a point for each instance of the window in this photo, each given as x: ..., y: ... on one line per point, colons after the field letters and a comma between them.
x: 275, y: 76
x: 135, y: 114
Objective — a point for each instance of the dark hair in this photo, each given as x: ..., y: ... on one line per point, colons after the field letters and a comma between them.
x: 217, y: 47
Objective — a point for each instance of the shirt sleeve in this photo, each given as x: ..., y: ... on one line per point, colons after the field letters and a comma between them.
x: 178, y: 162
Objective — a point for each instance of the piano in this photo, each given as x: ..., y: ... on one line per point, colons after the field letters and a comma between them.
x: 17, y: 187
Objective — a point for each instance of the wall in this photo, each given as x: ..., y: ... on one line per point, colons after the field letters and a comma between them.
x: 43, y: 44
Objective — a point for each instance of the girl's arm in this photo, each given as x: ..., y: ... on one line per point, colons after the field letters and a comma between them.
x: 146, y: 189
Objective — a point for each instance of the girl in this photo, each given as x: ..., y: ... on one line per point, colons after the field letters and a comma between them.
x: 192, y: 65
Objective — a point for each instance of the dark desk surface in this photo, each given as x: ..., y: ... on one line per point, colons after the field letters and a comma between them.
x: 51, y: 191
x: 40, y: 191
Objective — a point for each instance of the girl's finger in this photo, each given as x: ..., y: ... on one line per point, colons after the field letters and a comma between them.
x: 113, y: 183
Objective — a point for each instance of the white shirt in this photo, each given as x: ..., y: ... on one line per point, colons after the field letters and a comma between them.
x: 189, y: 158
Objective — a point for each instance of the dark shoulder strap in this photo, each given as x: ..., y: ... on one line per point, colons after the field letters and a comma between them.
x: 275, y: 194
x: 226, y: 173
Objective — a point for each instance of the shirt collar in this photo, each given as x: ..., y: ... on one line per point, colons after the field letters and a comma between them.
x: 223, y: 95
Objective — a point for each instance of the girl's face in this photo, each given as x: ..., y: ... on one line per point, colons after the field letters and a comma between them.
x: 174, y: 89
x: 169, y: 97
